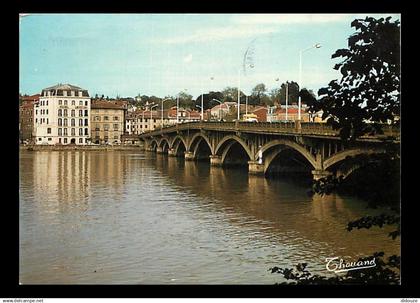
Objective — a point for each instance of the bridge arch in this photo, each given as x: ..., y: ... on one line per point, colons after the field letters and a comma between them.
x: 289, y: 144
x: 219, y: 151
x: 195, y: 139
x: 154, y: 144
x: 179, y: 146
x: 342, y: 155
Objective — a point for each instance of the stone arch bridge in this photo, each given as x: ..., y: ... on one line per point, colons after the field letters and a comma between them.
x: 259, y: 144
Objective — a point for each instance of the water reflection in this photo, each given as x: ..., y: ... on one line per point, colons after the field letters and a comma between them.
x: 127, y: 217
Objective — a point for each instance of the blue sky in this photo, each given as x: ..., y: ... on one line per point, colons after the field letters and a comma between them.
x: 163, y: 54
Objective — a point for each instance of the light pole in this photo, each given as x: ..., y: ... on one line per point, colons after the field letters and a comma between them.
x: 220, y: 106
x: 142, y: 120
x: 177, y: 106
x: 161, y: 125
x: 201, y: 111
x: 239, y: 94
x: 300, y: 72
x: 151, y: 108
x: 287, y: 95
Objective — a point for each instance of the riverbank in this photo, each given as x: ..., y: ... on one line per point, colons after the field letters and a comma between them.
x: 79, y: 147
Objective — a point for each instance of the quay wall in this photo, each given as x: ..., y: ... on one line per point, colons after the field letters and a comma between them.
x: 80, y: 147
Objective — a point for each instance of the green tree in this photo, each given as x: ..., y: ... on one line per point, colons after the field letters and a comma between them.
x: 185, y: 100
x: 258, y: 94
x: 369, y: 89
x: 292, y: 92
x: 230, y: 94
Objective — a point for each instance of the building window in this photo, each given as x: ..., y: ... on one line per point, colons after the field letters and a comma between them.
x: 80, y: 102
x: 60, y: 102
x: 106, y: 118
x: 86, y: 112
x: 115, y: 126
x: 115, y: 118
x: 39, y: 139
x: 106, y: 127
x: 115, y: 137
x: 49, y: 130
x: 60, y: 113
x: 80, y: 122
x: 97, y: 118
x: 73, y: 102
x: 47, y: 120
x: 86, y: 131
x: 36, y: 112
x: 80, y: 113
x: 47, y: 111
x: 59, y: 140
x: 65, y: 113
x: 65, y: 122
x: 73, y: 113
x: 73, y: 132
x: 60, y: 131
x: 65, y: 140
x: 80, y: 140
x: 86, y: 122
x: 65, y: 102
x: 49, y: 139
x: 65, y: 131
x: 60, y: 122
x: 73, y: 122
x: 86, y: 103
x: 80, y: 131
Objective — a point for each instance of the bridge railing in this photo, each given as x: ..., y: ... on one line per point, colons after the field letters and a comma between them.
x: 305, y: 128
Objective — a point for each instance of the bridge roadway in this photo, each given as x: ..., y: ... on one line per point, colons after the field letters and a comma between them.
x: 262, y: 142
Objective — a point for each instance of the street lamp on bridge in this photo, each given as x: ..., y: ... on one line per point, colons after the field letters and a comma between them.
x: 300, y: 73
x: 220, y: 106
x: 151, y: 111
x: 161, y: 125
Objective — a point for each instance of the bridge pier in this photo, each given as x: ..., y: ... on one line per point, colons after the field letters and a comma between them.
x: 189, y: 156
x: 159, y: 150
x: 215, y: 160
x: 319, y: 174
x: 171, y: 152
x: 255, y: 168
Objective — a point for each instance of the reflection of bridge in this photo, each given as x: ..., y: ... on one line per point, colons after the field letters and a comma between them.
x: 315, y: 145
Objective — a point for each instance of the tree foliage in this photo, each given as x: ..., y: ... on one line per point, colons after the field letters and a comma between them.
x: 369, y: 89
x: 385, y: 272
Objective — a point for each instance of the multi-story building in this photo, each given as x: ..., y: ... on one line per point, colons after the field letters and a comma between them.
x: 26, y: 117
x: 142, y: 121
x: 62, y: 115
x: 108, y: 121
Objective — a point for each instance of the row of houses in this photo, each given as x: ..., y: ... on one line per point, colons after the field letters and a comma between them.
x: 66, y: 114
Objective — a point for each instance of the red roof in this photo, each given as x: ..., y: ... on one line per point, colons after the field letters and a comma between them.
x: 31, y: 98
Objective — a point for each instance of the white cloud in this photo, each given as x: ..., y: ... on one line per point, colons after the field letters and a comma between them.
x: 288, y: 19
x: 188, y: 58
x: 219, y: 33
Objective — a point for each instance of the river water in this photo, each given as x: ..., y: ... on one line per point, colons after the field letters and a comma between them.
x: 134, y: 217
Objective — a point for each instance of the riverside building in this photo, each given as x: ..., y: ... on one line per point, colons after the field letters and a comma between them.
x: 62, y: 116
